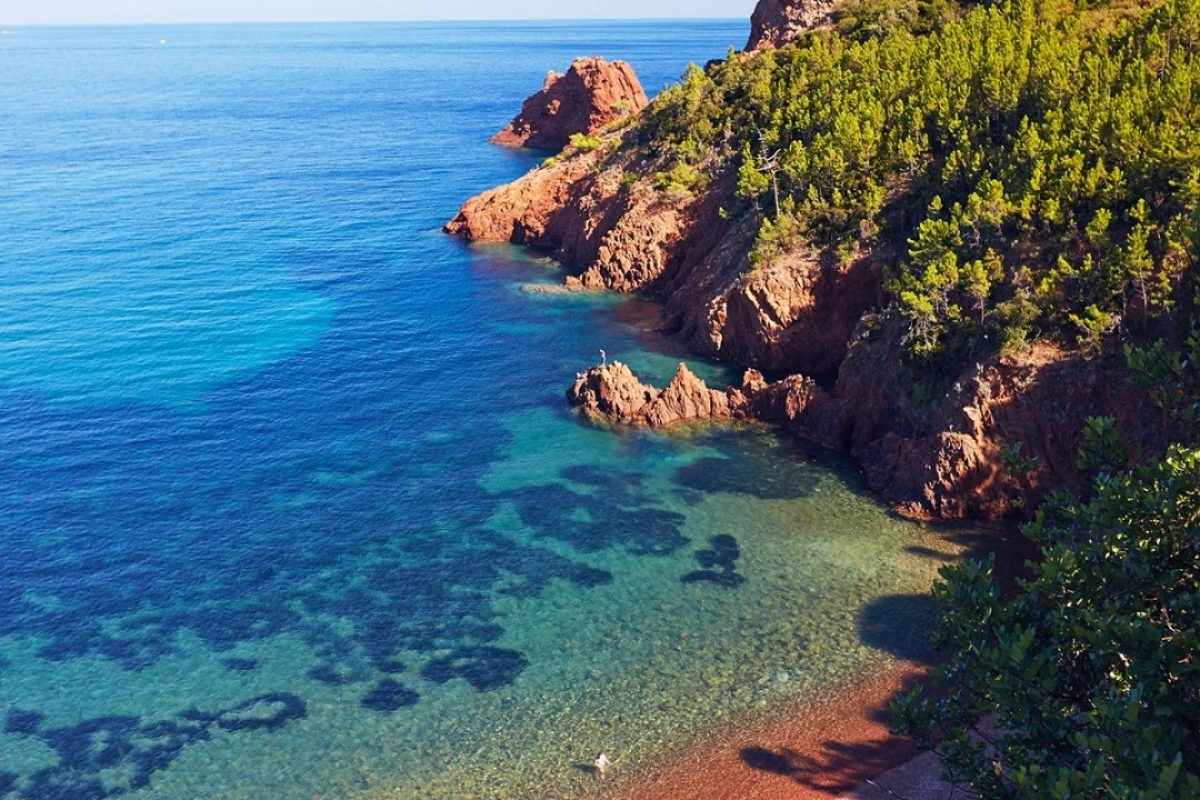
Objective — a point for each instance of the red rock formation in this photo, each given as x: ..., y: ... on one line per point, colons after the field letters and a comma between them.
x: 936, y: 457
x: 521, y: 211
x: 941, y: 457
x: 612, y: 393
x: 592, y: 94
x: 774, y: 23
x: 792, y: 315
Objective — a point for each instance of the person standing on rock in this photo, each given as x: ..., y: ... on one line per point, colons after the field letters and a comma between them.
x: 603, y: 359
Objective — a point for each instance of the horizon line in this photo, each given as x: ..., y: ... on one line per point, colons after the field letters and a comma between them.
x: 416, y: 20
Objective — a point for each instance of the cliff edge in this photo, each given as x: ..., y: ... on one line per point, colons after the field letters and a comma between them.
x: 624, y: 216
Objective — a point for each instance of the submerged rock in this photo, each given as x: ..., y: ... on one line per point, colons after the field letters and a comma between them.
x: 591, y: 95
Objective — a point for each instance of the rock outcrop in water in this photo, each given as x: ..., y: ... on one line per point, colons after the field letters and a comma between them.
x: 611, y: 392
x: 591, y: 95
x: 775, y: 23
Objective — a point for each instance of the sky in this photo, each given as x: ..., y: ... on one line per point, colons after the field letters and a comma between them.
x: 94, y: 12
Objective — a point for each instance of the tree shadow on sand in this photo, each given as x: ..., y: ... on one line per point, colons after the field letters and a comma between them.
x: 836, y: 767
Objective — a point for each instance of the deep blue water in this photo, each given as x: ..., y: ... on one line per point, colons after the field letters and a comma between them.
x: 289, y: 502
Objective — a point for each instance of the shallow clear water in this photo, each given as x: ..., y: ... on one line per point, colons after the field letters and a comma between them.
x: 290, y: 505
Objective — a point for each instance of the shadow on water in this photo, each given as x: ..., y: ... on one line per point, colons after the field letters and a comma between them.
x: 764, y: 463
x: 901, y: 625
x: 1011, y: 549
x: 718, y: 565
x: 110, y: 756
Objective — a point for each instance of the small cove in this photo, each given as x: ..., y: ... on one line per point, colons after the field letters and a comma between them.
x: 291, y: 504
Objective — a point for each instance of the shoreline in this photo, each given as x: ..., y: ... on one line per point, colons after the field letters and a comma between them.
x: 821, y: 749
x: 826, y: 750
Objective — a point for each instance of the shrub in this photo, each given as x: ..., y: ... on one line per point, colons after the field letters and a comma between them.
x: 584, y: 143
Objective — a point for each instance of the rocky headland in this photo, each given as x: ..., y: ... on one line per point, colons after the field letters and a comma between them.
x: 590, y: 96
x: 616, y: 225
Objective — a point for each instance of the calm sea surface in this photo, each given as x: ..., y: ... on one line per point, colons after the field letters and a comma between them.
x: 290, y: 504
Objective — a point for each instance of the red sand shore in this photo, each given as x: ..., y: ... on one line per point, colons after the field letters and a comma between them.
x: 824, y: 751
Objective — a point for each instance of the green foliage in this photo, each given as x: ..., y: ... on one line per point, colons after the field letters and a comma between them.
x: 584, y: 143
x: 1040, y: 161
x: 1090, y: 674
x: 774, y: 239
x: 1104, y: 451
x: 1085, y: 683
x: 867, y: 19
x: 1173, y: 378
x: 1014, y: 463
x: 680, y: 181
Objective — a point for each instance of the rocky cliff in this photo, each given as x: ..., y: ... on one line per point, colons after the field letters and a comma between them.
x: 931, y: 458
x: 774, y: 23
x: 591, y: 95
x: 938, y: 458
x: 934, y: 450
x: 794, y: 314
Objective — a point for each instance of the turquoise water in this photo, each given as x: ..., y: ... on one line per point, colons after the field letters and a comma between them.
x: 290, y: 504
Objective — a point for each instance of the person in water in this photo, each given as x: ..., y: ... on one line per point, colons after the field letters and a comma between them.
x: 602, y: 763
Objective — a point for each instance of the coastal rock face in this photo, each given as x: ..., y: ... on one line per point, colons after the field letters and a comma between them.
x: 592, y: 94
x: 932, y: 450
x: 795, y: 314
x: 934, y: 458
x: 612, y: 393
x: 775, y: 23
x: 942, y: 458
x: 522, y: 211
x: 930, y: 459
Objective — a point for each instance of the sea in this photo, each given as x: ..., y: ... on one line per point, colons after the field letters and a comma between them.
x: 291, y: 503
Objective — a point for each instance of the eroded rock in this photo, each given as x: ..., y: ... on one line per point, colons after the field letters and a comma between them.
x: 613, y: 393
x: 591, y: 95
x: 775, y: 23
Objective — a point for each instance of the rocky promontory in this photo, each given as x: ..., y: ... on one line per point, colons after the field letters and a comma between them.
x: 934, y: 448
x: 590, y: 96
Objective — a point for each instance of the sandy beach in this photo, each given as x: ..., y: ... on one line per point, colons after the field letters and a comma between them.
x: 822, y: 751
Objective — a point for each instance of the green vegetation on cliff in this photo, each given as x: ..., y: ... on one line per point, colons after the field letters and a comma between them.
x: 1030, y: 170
x: 1037, y: 165
x: 1085, y: 683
